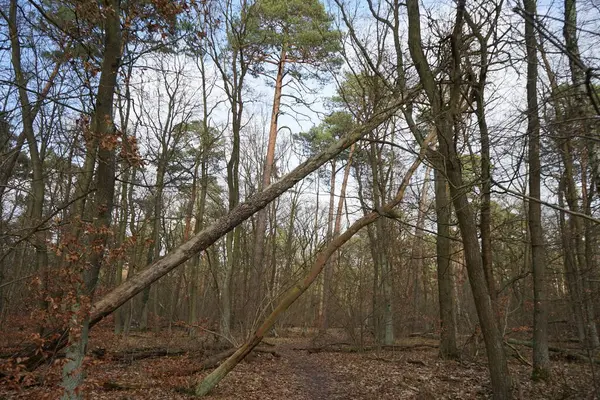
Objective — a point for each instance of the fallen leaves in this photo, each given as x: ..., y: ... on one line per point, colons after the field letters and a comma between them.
x: 287, y: 370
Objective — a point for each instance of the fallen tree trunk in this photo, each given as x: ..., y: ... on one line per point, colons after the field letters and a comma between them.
x: 567, y: 353
x: 35, y: 355
x: 357, y: 349
x: 141, y: 354
x: 210, y: 381
x: 217, y: 359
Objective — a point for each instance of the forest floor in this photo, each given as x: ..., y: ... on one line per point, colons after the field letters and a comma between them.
x: 164, y: 366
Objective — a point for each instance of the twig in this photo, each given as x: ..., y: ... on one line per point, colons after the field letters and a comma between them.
x: 518, y: 355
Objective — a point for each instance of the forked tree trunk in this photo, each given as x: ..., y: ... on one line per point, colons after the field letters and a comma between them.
x: 445, y: 116
x: 37, y: 167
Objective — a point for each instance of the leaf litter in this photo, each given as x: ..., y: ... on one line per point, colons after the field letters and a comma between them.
x: 296, y: 373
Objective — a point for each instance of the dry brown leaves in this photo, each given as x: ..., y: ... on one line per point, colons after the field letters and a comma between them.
x: 411, y: 373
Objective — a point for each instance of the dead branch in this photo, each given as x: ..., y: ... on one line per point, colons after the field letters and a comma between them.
x: 569, y: 354
x: 216, y: 360
x: 337, y: 348
x: 141, y: 354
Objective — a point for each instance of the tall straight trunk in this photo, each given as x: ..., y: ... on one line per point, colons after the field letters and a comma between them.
x: 379, y: 241
x: 194, y: 265
x: 376, y: 312
x: 273, y: 256
x: 196, y: 261
x: 123, y: 218
x: 200, y: 215
x: 448, y: 348
x: 417, y: 264
x: 570, y: 265
x: 342, y: 198
x: 104, y: 197
x: 261, y: 218
x: 328, y: 275
x: 187, y: 231
x: 28, y: 116
x: 590, y: 244
x: 387, y: 289
x: 445, y: 116
x: 289, y: 236
x: 126, y: 189
x: 541, y: 357
x: 155, y: 237
x: 233, y: 85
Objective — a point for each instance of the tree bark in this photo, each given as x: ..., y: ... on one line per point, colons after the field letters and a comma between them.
x: 448, y: 347
x: 417, y: 264
x: 541, y: 358
x: 328, y: 276
x: 261, y: 217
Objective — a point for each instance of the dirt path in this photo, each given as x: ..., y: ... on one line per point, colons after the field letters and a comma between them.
x: 314, y: 376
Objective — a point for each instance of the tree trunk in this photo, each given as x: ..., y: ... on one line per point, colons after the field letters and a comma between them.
x: 417, y: 264
x: 444, y: 118
x: 103, y: 127
x: 155, y: 244
x: 123, y: 218
x: 576, y: 247
x: 541, y: 358
x: 261, y: 218
x: 37, y: 183
x: 328, y: 275
x: 486, y: 173
x: 448, y: 348
x: 572, y: 276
